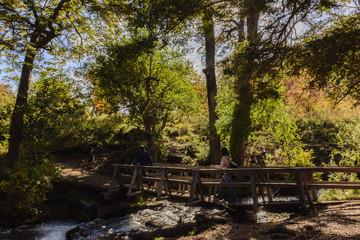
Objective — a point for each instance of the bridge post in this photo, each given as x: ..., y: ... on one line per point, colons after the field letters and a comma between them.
x: 161, y: 184
x: 300, y: 188
x: 117, y: 178
x: 133, y: 180
x: 193, y: 186
x: 310, y: 177
x: 253, y: 191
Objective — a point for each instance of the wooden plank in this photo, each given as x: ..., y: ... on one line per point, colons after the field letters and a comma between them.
x: 247, y: 184
x: 126, y: 176
x: 180, y: 185
x: 334, y: 185
x: 161, y: 184
x: 193, y: 186
x: 186, y: 186
x: 211, y: 189
x: 310, y: 178
x: 133, y: 180
x: 260, y: 188
x: 155, y: 179
x: 266, y: 176
x: 115, y: 179
x: 253, y: 192
x: 200, y: 189
x: 167, y: 187
x: 300, y: 188
x: 307, y: 190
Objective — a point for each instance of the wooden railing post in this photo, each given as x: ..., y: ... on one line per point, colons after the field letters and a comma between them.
x: 161, y: 184
x: 211, y: 189
x: 167, y: 182
x: 117, y: 178
x: 307, y: 190
x: 268, y: 189
x: 193, y: 186
x: 253, y: 191
x: 310, y: 177
x: 300, y: 188
x: 133, y: 180
x: 260, y: 188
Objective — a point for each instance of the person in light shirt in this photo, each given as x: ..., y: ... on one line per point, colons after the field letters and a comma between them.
x: 225, y: 164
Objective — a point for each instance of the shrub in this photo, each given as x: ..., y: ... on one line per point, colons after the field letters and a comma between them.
x: 347, y: 154
x: 25, y: 186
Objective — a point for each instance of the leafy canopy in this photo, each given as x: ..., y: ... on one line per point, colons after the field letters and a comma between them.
x: 332, y: 58
x: 146, y: 85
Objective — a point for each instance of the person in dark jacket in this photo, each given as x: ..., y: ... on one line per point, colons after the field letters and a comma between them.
x: 143, y: 158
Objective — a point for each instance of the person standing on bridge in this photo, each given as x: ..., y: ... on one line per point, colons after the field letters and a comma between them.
x: 143, y: 158
x: 225, y: 164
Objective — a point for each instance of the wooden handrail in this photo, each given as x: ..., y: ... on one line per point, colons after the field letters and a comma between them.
x: 191, y: 179
x: 206, y: 169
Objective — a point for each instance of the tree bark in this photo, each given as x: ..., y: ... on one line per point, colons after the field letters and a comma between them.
x: 150, y: 140
x: 214, y: 138
x: 241, y: 123
x: 39, y: 38
x: 17, y: 118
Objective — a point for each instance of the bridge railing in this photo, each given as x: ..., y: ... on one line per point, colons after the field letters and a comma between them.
x: 201, y: 182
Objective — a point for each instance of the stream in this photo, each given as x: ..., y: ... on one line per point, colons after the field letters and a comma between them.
x: 167, y: 214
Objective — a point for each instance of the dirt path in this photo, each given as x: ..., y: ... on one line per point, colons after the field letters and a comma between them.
x: 74, y: 169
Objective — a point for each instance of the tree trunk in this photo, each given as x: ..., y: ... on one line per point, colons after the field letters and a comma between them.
x: 151, y: 146
x: 208, y: 27
x: 241, y: 123
x: 17, y: 119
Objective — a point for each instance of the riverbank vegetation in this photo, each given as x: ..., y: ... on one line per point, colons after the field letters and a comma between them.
x: 99, y: 78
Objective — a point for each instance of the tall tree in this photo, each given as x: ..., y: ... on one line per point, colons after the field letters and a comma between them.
x: 241, y: 124
x: 209, y: 33
x: 27, y: 27
x: 148, y: 86
x: 262, y: 55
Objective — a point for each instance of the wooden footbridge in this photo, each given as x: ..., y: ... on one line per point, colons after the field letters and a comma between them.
x: 200, y: 183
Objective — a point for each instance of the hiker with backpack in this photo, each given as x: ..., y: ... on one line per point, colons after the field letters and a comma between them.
x: 225, y: 164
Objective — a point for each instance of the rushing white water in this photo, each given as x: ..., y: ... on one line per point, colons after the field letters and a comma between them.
x: 167, y: 214
x: 52, y: 230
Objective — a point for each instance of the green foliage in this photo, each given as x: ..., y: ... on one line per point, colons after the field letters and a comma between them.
x: 25, y: 186
x: 274, y: 138
x: 95, y: 130
x: 149, y: 86
x: 53, y: 108
x: 197, y: 154
x: 187, y: 134
x: 332, y: 58
x: 347, y: 154
x: 160, y: 18
x: 276, y: 141
x: 225, y: 108
x: 57, y: 118
x: 193, y: 232
x: 7, y: 101
x: 32, y: 25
